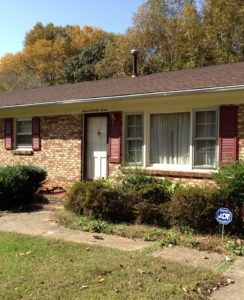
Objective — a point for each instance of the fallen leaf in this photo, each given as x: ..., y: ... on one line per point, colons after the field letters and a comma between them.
x: 101, y: 280
x: 83, y: 287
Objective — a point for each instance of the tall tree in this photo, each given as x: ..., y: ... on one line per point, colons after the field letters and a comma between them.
x: 224, y: 30
x: 81, y: 67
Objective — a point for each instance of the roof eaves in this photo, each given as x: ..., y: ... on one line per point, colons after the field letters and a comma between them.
x: 129, y: 96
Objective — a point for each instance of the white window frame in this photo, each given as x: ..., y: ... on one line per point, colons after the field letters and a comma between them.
x: 171, y: 167
x: 29, y: 147
x: 126, y: 139
x: 206, y: 167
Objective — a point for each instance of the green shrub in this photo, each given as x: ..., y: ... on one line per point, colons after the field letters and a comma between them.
x: 237, y: 249
x: 77, y: 196
x: 149, y: 205
x: 135, y: 179
x: 18, y: 185
x: 98, y: 200
x: 196, y: 207
x: 230, y: 178
x: 136, y: 197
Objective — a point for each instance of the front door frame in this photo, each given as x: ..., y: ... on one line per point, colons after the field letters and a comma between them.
x: 85, y: 140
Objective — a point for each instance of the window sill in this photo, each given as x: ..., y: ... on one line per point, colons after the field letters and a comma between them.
x: 27, y: 152
x: 181, y: 174
x: 186, y: 173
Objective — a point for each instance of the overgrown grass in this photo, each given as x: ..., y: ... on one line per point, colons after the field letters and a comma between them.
x: 36, y: 268
x: 182, y: 236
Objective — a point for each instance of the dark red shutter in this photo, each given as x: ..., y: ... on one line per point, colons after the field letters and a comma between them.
x: 36, y: 141
x: 115, y: 132
x: 228, y: 134
x: 8, y: 130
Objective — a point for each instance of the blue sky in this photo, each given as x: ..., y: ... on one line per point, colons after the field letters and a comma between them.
x: 19, y: 16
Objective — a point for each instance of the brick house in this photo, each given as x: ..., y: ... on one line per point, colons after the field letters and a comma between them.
x: 179, y: 125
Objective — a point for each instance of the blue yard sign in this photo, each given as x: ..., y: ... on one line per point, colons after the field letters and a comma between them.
x: 223, y: 216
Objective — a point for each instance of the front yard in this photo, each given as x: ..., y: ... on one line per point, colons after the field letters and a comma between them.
x: 181, y: 236
x: 36, y: 268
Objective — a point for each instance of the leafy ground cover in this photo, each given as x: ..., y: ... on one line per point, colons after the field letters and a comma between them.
x: 37, y: 268
x: 184, y: 236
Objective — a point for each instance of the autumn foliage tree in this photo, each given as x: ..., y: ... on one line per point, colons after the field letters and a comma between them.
x: 169, y: 34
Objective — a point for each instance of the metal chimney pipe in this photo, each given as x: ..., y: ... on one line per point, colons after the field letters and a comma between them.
x: 134, y: 53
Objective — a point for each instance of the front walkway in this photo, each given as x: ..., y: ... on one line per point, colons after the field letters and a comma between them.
x: 42, y: 224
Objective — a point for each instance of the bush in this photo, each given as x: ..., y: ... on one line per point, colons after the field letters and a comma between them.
x: 137, y: 197
x: 18, y: 185
x: 135, y: 180
x: 96, y: 199
x: 149, y: 205
x: 77, y: 195
x: 230, y: 180
x: 196, y: 207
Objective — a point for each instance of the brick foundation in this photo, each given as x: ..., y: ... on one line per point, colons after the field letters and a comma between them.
x: 61, y: 149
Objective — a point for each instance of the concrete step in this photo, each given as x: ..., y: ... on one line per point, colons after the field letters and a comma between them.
x: 47, y: 206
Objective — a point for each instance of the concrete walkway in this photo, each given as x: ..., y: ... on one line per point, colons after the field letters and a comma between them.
x: 42, y: 224
x: 233, y: 291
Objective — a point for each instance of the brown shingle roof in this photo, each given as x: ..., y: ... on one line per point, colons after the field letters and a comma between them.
x: 207, y: 77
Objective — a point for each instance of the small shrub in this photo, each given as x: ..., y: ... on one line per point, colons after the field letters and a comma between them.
x: 153, y: 234
x: 107, y: 204
x: 98, y: 200
x: 97, y: 226
x: 146, y: 195
x: 230, y: 179
x: 150, y: 213
x: 196, y: 207
x: 18, y: 185
x: 237, y: 249
x: 77, y: 196
x: 172, y: 237
x: 135, y: 179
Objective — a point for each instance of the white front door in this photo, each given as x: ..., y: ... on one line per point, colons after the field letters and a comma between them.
x: 97, y: 147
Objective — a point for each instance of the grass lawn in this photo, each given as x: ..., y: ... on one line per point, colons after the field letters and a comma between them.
x: 37, y: 268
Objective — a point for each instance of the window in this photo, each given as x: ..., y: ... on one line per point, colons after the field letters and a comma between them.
x: 134, y: 138
x: 170, y: 138
x: 24, y: 133
x: 205, y: 138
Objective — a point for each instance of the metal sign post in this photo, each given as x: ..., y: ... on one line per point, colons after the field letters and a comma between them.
x: 223, y: 230
x: 224, y: 217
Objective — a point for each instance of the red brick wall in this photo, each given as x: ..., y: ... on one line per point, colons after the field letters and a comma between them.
x: 61, y: 149
x: 241, y: 130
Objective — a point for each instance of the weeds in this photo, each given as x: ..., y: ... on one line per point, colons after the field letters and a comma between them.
x: 237, y: 249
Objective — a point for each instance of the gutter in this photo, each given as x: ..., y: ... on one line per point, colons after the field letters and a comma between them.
x: 130, y: 96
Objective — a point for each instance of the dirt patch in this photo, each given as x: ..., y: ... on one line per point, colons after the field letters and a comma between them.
x: 192, y: 257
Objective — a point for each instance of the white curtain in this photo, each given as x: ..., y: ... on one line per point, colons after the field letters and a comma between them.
x: 170, y: 138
